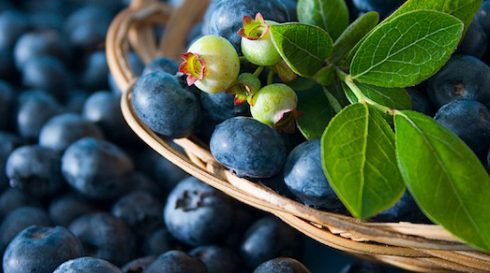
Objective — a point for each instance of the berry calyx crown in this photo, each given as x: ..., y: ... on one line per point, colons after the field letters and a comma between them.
x: 193, y: 66
x: 254, y: 29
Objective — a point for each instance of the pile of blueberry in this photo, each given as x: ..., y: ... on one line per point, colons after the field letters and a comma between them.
x: 79, y: 192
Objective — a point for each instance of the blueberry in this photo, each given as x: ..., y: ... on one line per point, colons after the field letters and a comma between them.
x: 97, y: 168
x: 137, y: 67
x: 138, y: 265
x: 76, y: 100
x: 103, y: 109
x: 87, y: 26
x: 383, y: 7
x: 87, y: 265
x: 40, y: 249
x: 13, y: 198
x: 235, y: 144
x: 420, y: 103
x: 483, y: 17
x: 106, y: 237
x: 195, y: 33
x: 470, y: 120
x: 63, y: 130
x: 18, y: 220
x: 66, y: 208
x: 46, y: 73
x: 46, y: 20
x: 221, y: 106
x: 304, y: 176
x: 217, y: 259
x: 176, y: 262
x: 161, y: 64
x: 141, y: 211
x: 8, y: 143
x: 282, y: 265
x: 405, y: 210
x: 34, y: 44
x: 35, y: 109
x: 142, y: 182
x: 463, y: 77
x: 166, y: 107
x: 363, y: 267
x: 158, y: 242
x: 12, y: 25
x: 96, y: 71
x: 197, y: 214
x: 267, y: 239
x: 225, y: 17
x: 35, y: 170
x: 475, y: 41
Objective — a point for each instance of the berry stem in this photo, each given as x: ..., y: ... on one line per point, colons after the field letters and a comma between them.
x: 270, y: 77
x: 347, y: 79
x: 259, y: 71
x: 243, y: 58
x: 333, y: 101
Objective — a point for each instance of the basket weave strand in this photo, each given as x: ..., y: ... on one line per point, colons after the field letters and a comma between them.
x: 422, y: 248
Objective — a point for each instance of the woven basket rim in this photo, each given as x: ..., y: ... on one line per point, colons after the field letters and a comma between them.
x: 417, y: 247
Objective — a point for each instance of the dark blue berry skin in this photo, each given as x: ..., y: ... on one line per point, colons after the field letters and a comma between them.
x: 463, y: 77
x: 383, y: 7
x: 483, y: 16
x: 87, y: 27
x: 405, y: 210
x: 197, y: 214
x: 142, y: 182
x: 12, y: 25
x: 161, y: 64
x: 420, y: 103
x: 35, y: 170
x: 304, y: 176
x: 87, y: 265
x: 34, y: 44
x: 166, y: 107
x: 63, y: 130
x: 176, y: 262
x: 282, y: 265
x: 221, y: 106
x: 97, y: 168
x: 103, y: 109
x: 217, y: 259
x: 106, y: 237
x: 94, y: 76
x: 267, y: 239
x: 160, y: 241
x: 76, y: 100
x: 141, y: 211
x: 138, y: 265
x: 475, y: 41
x: 363, y: 267
x: 225, y: 17
x: 20, y: 219
x: 47, y: 73
x: 68, y: 207
x: 13, y: 198
x: 248, y: 147
x: 35, y: 109
x: 470, y: 120
x: 195, y: 33
x: 46, y: 20
x: 40, y: 249
x: 7, y: 96
x: 8, y: 143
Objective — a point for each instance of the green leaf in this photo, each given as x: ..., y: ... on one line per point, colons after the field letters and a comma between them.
x: 464, y: 10
x: 406, y: 50
x: 358, y: 157
x: 316, y: 110
x: 445, y: 178
x: 394, y: 98
x: 353, y: 34
x: 304, y: 47
x: 301, y: 83
x: 337, y: 92
x: 331, y: 15
x: 326, y: 75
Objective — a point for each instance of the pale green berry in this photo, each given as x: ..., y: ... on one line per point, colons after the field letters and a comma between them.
x: 275, y: 105
x: 257, y: 45
x: 212, y: 64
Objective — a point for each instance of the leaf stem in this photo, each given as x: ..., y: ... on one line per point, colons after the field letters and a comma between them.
x: 243, y: 58
x: 347, y: 79
x: 270, y: 77
x: 258, y: 71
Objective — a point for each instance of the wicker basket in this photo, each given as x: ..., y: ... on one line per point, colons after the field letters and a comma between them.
x: 422, y: 248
